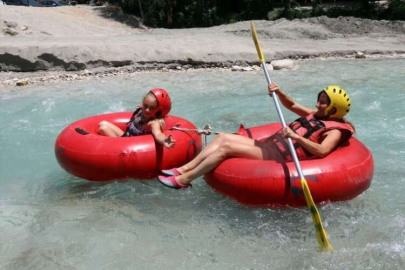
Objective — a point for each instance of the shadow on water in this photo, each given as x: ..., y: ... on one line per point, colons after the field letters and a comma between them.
x: 195, y: 206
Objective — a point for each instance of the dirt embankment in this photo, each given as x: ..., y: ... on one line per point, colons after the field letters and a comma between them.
x: 74, y: 38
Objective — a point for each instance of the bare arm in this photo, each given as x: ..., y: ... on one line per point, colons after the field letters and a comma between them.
x: 330, y: 140
x: 160, y: 137
x: 289, y: 103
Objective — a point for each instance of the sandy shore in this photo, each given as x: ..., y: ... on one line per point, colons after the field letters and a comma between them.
x: 68, y: 43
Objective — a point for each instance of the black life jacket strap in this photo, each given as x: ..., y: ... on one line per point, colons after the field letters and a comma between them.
x: 127, y: 132
x: 134, y: 115
x: 316, y: 125
x: 303, y: 122
x: 279, y: 138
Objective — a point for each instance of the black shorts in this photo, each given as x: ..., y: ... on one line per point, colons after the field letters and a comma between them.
x: 269, y: 150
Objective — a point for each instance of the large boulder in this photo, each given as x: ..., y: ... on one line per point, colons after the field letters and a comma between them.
x: 282, y: 64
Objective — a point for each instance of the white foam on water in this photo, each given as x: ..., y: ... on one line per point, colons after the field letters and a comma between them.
x: 116, y: 107
x: 374, y: 106
x: 48, y: 104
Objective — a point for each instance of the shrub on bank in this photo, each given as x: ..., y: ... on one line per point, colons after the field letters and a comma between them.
x: 205, y: 13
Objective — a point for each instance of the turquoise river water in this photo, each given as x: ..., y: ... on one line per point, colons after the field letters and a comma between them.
x: 52, y: 220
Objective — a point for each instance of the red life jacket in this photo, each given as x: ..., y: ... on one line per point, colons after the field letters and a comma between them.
x: 312, y: 129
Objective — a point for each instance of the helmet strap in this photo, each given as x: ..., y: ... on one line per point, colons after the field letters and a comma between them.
x: 157, y: 114
x: 331, y: 112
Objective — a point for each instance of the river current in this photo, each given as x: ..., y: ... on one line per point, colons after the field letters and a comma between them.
x: 50, y: 219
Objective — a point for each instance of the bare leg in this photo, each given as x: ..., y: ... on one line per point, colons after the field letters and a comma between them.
x: 224, y: 150
x: 213, y: 146
x: 108, y: 129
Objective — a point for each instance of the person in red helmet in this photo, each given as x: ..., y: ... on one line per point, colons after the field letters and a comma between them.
x: 146, y: 119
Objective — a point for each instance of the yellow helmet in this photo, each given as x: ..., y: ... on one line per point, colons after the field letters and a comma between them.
x: 339, y: 99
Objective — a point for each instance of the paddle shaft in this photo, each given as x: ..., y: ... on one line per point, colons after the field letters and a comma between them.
x: 281, y: 117
x: 320, y: 232
x: 316, y: 218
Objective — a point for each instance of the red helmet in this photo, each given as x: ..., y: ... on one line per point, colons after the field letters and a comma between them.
x: 164, y: 102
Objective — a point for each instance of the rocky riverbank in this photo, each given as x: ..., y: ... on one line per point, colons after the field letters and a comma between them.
x: 8, y: 79
x: 82, y: 42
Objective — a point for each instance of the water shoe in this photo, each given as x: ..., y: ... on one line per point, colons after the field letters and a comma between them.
x: 171, y: 182
x: 171, y: 172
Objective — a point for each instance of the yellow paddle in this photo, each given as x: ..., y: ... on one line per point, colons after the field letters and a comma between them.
x: 316, y: 218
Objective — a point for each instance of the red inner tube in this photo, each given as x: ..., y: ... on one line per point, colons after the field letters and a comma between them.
x: 100, y: 158
x: 342, y: 175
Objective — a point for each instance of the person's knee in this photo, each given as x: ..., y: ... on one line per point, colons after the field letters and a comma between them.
x: 218, y: 139
x: 220, y: 136
x: 223, y: 137
x: 103, y: 127
x: 224, y: 150
x: 103, y: 123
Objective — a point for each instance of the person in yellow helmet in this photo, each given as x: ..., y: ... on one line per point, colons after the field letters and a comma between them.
x: 315, y: 134
x: 318, y: 131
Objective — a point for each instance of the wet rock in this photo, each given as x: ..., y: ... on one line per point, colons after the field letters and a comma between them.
x: 237, y: 68
x: 173, y: 66
x: 360, y: 55
x: 227, y: 64
x: 269, y: 66
x: 159, y: 66
x: 283, y: 64
x: 22, y: 82
x: 191, y: 61
x: 241, y: 63
x: 121, y: 63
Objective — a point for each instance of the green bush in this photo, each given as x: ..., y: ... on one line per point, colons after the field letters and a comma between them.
x: 275, y: 14
x: 205, y: 13
x: 396, y: 10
